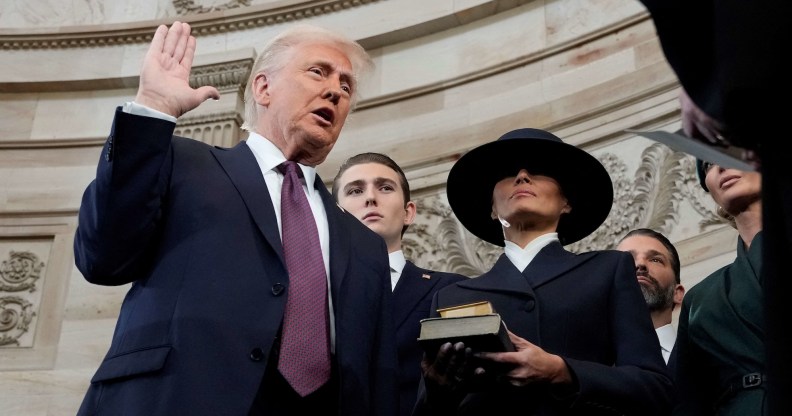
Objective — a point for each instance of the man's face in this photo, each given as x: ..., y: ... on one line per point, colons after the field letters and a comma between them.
x: 372, y: 192
x: 653, y: 269
x: 306, y: 102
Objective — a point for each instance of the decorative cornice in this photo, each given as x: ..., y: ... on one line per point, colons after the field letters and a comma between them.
x: 187, y: 121
x: 210, y: 23
x: 226, y: 76
x: 51, y: 143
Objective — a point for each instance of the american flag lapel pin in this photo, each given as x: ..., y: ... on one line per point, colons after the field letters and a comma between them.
x: 426, y: 276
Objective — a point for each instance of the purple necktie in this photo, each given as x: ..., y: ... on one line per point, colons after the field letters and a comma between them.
x: 305, y: 345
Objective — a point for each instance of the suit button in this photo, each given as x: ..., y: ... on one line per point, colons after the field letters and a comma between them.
x: 530, y: 305
x: 256, y: 354
x: 277, y: 289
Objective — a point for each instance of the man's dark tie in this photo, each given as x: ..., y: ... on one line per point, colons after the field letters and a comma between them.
x: 305, y: 346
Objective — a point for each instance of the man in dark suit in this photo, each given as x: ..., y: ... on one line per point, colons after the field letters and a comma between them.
x: 374, y: 188
x: 584, y: 341
x: 197, y: 231
x: 657, y: 268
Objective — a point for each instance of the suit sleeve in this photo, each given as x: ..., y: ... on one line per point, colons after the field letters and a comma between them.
x: 387, y: 394
x: 121, y: 208
x: 728, y: 56
x: 638, y: 382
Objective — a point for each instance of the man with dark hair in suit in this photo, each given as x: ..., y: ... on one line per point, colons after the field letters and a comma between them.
x: 657, y: 269
x: 373, y: 188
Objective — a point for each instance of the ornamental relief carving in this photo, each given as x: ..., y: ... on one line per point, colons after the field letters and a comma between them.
x: 19, y: 273
x: 221, y: 128
x: 650, y: 197
x: 16, y: 314
x: 225, y: 76
x: 190, y: 7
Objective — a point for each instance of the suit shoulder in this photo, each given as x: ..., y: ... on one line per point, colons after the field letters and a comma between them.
x: 451, y: 286
x: 354, y: 225
x: 449, y: 277
x: 608, y: 254
x: 187, y: 143
x: 434, y: 274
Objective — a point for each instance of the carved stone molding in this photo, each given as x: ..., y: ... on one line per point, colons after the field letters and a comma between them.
x: 650, y: 197
x: 16, y: 314
x: 184, y: 7
x: 19, y: 273
x: 439, y: 242
x: 221, y: 129
x: 36, y: 259
x: 226, y: 76
x: 220, y: 22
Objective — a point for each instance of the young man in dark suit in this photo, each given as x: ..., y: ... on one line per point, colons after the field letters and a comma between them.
x: 373, y: 188
x: 200, y: 234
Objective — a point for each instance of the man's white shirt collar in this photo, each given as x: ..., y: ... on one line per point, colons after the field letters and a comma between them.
x: 397, y: 263
x: 666, y: 334
x: 269, y: 157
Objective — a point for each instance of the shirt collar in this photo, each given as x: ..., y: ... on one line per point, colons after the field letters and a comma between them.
x: 666, y: 334
x: 269, y: 157
x: 397, y: 261
x: 522, y: 257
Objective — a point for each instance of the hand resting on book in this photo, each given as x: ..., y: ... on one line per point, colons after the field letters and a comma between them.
x: 527, y: 365
x: 457, y: 368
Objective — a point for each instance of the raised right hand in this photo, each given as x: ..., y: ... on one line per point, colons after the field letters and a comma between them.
x: 165, y: 75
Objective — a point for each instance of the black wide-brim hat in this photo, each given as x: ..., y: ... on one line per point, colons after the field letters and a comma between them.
x: 583, y: 180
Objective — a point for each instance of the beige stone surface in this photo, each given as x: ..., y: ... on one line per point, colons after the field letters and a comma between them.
x: 451, y: 74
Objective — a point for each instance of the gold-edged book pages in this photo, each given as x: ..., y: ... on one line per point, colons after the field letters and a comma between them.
x: 468, y: 309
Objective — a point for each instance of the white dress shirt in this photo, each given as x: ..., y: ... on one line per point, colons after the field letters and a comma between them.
x: 667, y: 336
x: 397, y: 263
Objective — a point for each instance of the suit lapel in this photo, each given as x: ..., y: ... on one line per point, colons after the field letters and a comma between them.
x: 503, y: 277
x: 339, y: 237
x: 412, y: 287
x: 241, y: 167
x: 551, y: 262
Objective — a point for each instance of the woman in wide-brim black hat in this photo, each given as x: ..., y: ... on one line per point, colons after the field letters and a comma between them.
x: 583, y: 182
x: 583, y: 336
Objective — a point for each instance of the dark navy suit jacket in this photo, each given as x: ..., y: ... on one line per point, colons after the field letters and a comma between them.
x: 412, y: 298
x: 586, y: 308
x: 193, y: 228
